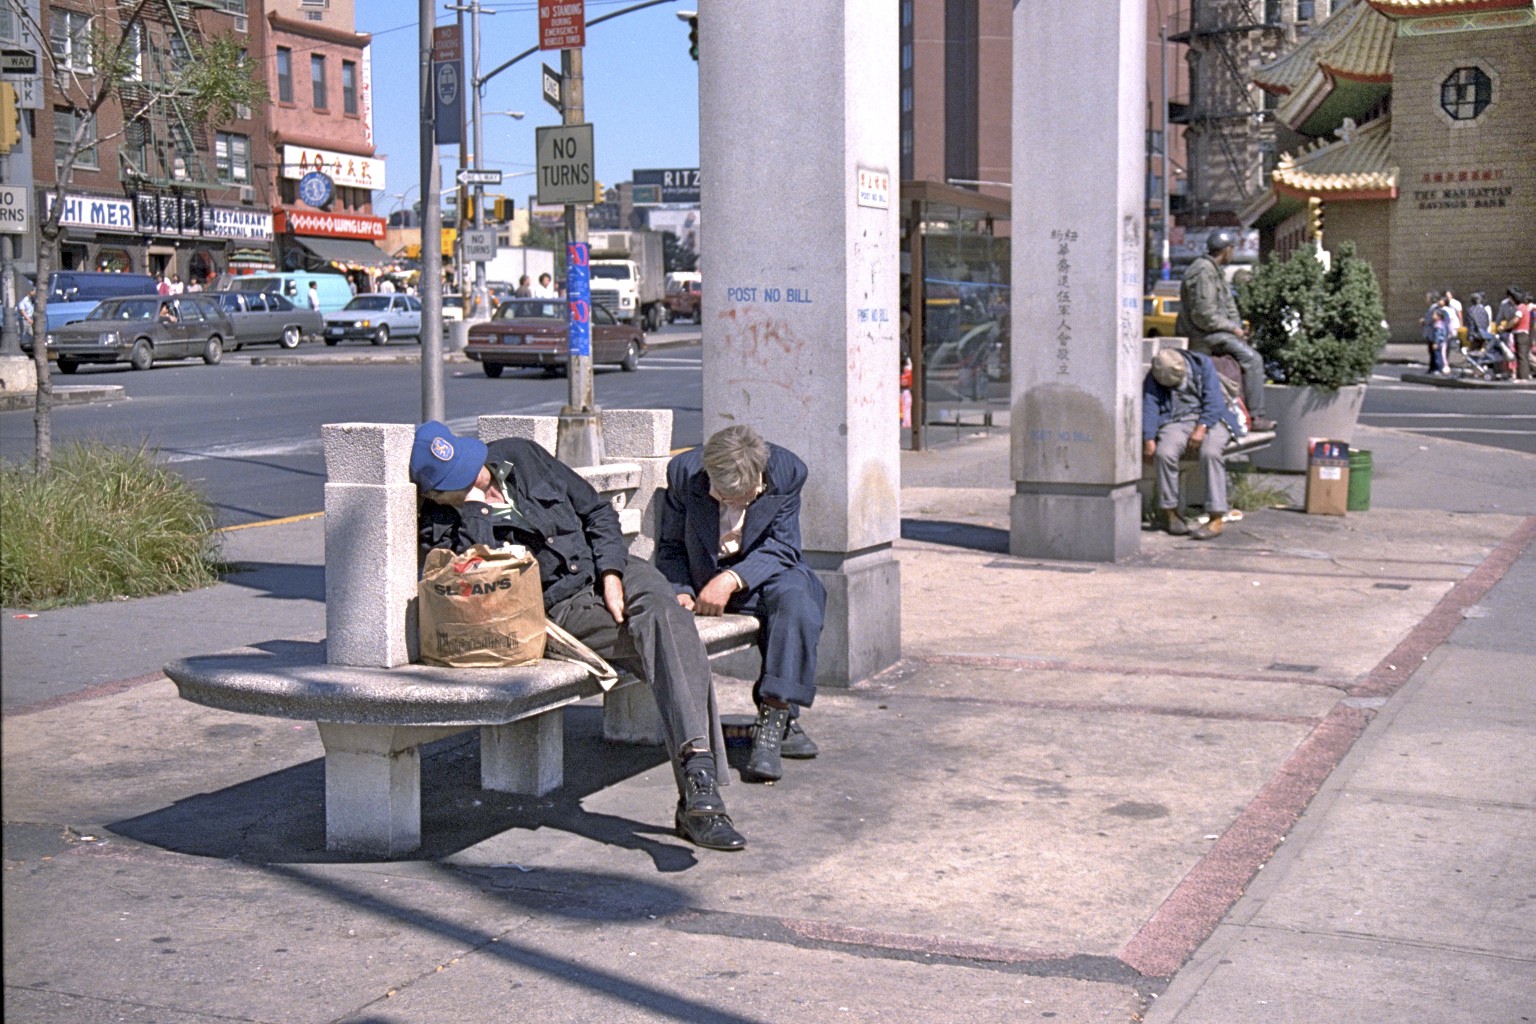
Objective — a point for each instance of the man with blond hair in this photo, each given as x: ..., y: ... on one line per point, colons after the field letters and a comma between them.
x: 729, y: 541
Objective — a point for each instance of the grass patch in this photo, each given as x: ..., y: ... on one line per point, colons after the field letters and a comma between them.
x: 1250, y: 492
x: 103, y: 523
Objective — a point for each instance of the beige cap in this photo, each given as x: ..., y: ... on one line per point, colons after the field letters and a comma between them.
x: 1169, y: 368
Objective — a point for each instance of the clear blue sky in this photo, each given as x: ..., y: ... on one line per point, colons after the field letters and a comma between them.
x: 642, y: 91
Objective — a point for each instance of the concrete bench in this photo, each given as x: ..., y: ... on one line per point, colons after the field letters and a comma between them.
x: 373, y: 703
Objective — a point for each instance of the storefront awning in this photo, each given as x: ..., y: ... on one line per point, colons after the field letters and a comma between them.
x: 347, y: 250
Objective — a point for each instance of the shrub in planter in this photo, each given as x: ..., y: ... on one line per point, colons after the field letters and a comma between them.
x: 1314, y: 327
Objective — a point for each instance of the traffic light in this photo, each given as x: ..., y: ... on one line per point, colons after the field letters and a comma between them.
x: 693, y: 37
x: 503, y: 210
x: 1315, y: 217
x: 10, y: 118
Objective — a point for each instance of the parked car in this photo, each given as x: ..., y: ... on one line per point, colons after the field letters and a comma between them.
x: 1158, y: 313
x: 142, y: 329
x: 267, y: 317
x: 375, y: 317
x: 684, y: 301
x: 532, y: 332
x: 453, y: 307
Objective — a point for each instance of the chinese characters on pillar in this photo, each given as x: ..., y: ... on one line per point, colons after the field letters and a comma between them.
x: 1064, y: 239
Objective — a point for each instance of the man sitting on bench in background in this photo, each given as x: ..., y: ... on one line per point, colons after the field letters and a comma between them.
x: 621, y: 607
x: 1183, y: 408
x: 1208, y: 317
x: 729, y: 541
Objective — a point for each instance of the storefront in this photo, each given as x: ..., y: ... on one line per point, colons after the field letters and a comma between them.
x: 175, y: 234
x: 344, y: 243
x: 956, y: 268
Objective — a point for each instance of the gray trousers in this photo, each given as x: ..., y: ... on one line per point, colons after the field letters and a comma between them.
x: 1224, y: 344
x: 658, y: 642
x: 1172, y: 439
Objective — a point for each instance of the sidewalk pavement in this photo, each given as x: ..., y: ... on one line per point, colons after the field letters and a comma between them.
x: 1282, y: 776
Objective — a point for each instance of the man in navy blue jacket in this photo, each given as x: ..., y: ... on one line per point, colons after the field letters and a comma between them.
x: 729, y: 541
x: 1183, y: 408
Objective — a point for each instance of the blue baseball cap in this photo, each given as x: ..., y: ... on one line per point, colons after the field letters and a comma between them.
x: 441, y: 461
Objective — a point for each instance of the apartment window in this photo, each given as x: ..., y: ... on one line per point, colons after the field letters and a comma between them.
x: 284, y: 74
x: 69, y: 38
x: 1466, y: 93
x: 317, y: 80
x: 133, y: 47
x: 348, y: 87
x: 181, y: 57
x: 1305, y: 10
x: 232, y: 156
x: 65, y: 123
x: 234, y: 6
x: 186, y: 152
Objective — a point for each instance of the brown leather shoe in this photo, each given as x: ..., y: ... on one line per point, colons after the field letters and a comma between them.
x: 1210, y: 530
x: 1175, y: 524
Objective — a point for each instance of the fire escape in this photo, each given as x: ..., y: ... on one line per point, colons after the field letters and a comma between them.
x: 1229, y: 136
x: 165, y: 147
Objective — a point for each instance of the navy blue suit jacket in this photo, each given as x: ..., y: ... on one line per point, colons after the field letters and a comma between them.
x: 689, y: 543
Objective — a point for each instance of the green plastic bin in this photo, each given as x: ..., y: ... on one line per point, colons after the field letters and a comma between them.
x: 1359, y: 480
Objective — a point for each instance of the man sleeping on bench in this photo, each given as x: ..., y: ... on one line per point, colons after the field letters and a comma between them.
x: 621, y: 607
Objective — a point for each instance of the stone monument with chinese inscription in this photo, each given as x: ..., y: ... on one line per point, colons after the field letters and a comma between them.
x: 799, y: 177
x: 1077, y: 274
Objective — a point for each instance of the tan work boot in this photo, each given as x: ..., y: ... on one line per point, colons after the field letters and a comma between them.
x: 1211, y: 529
x: 1174, y: 524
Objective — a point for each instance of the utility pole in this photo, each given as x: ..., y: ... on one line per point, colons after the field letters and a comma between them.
x: 579, y: 435
x: 1162, y: 52
x: 480, y: 307
x: 460, y: 274
x: 431, y: 290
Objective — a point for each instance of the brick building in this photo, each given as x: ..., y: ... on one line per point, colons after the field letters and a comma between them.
x: 1420, y: 147
x: 323, y: 169
x: 160, y: 192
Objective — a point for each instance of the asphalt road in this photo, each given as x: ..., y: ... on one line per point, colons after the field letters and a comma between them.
x: 249, y: 435
x: 1493, y: 418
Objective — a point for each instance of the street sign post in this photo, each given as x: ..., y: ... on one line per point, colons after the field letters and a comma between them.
x: 566, y: 174
x: 476, y: 176
x: 479, y: 244
x: 551, y: 84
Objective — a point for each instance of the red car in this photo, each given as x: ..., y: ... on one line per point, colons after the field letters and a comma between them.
x: 531, y: 332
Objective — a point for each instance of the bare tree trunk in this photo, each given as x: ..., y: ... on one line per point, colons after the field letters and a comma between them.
x: 42, y: 417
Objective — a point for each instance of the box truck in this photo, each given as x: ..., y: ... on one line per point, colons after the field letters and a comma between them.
x: 627, y: 276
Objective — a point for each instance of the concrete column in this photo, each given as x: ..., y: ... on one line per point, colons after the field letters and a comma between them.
x: 370, y: 544
x: 1077, y: 277
x: 800, y: 165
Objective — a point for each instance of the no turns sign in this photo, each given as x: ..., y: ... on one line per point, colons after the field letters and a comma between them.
x: 566, y: 173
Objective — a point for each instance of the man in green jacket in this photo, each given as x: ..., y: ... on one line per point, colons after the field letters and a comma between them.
x: 1208, y: 317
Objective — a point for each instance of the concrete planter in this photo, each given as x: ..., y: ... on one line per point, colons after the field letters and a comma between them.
x: 1302, y: 413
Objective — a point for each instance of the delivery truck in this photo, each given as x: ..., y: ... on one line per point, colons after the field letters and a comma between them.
x: 628, y: 276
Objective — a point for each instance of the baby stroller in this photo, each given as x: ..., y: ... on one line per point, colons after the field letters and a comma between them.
x: 1490, y: 360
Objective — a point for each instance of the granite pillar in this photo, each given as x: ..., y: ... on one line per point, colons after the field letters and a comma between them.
x: 800, y: 167
x: 1078, y: 200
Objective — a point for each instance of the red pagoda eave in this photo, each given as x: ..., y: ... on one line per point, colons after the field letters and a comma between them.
x: 1354, y: 76
x: 1410, y: 9
x: 1345, y: 195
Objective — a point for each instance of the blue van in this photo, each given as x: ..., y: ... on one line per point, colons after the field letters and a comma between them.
x: 74, y: 293
x: 333, y: 290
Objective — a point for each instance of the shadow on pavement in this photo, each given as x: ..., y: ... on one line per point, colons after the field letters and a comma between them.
x: 280, y: 818
x: 282, y: 580
x: 959, y: 535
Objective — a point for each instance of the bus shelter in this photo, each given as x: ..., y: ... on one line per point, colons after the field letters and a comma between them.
x: 956, y: 270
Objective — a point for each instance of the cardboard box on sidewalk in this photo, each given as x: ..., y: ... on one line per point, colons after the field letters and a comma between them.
x: 1327, y: 477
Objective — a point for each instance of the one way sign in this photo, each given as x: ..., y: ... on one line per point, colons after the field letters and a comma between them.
x: 18, y: 62
x: 474, y: 176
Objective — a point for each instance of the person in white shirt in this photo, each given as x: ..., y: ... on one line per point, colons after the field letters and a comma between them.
x: 545, y: 289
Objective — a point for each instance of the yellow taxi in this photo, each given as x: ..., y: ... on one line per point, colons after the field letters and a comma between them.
x: 1158, y: 313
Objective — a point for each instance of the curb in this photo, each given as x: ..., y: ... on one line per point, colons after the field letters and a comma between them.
x: 1471, y: 383
x: 65, y: 394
